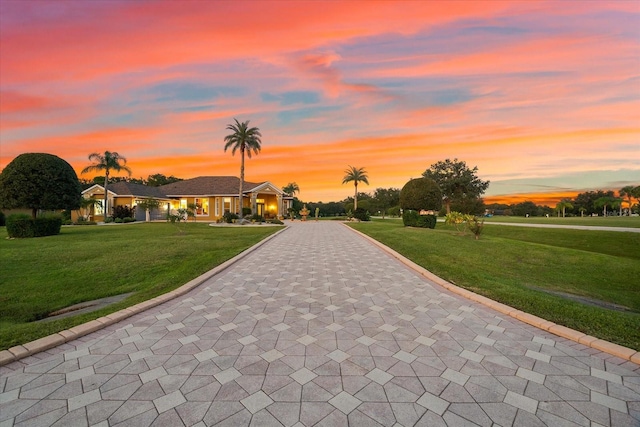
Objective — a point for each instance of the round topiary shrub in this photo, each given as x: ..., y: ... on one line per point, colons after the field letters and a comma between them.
x: 421, y: 194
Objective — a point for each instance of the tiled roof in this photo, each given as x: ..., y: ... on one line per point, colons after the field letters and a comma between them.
x: 136, y: 190
x: 207, y: 186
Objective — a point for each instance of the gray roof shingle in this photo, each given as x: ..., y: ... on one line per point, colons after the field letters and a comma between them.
x: 207, y: 186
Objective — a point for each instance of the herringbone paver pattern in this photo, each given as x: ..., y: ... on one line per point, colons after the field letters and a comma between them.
x: 319, y: 327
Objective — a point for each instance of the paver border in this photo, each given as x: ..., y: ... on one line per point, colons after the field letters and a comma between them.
x: 45, y: 343
x: 562, y: 331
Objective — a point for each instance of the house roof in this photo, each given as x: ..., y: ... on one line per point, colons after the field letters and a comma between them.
x: 136, y: 190
x: 208, y: 186
x: 200, y: 186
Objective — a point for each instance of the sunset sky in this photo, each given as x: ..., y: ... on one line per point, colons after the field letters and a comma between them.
x: 543, y: 97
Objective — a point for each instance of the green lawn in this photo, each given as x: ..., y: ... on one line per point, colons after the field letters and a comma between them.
x: 85, y: 263
x: 520, y: 266
x: 612, y: 221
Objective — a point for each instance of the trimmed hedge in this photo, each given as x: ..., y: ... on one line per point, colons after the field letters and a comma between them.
x: 411, y: 218
x: 24, y: 226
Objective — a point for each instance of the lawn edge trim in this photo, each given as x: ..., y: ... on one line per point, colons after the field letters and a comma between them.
x: 45, y: 343
x: 546, y: 325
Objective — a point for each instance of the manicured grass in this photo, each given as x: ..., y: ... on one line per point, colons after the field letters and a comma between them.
x: 611, y: 221
x: 45, y: 274
x: 516, y: 266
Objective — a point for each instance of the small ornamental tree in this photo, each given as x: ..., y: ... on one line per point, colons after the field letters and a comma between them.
x: 421, y: 194
x: 417, y: 195
x: 39, y: 181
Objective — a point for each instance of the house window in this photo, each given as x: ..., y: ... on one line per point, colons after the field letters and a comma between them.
x: 202, y: 207
x: 183, y: 203
x: 216, y: 203
x: 226, y: 204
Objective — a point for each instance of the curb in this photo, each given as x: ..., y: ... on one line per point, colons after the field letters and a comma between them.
x: 41, y: 344
x: 562, y: 331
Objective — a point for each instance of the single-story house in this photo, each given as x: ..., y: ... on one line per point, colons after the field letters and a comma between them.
x: 212, y: 196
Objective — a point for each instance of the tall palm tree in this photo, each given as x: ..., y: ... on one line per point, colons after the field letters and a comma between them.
x: 355, y: 175
x: 291, y: 188
x: 244, y: 139
x: 562, y: 206
x: 107, y: 162
x: 628, y: 193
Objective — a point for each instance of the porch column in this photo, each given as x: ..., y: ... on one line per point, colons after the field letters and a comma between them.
x: 254, y: 206
x: 279, y: 213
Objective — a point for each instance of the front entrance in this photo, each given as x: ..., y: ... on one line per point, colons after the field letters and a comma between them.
x: 260, y: 209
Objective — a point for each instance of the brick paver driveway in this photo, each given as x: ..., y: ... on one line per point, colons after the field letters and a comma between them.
x: 320, y: 327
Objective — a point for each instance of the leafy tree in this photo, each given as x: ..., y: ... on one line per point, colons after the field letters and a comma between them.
x: 107, y: 162
x: 457, y: 181
x: 419, y: 194
x: 87, y: 204
x: 587, y: 200
x: 158, y: 179
x: 524, y: 208
x: 384, y: 198
x: 244, y: 139
x: 291, y: 188
x: 39, y: 181
x: 355, y: 175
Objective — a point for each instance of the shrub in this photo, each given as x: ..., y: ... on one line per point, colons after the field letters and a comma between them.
x: 128, y: 219
x: 229, y: 217
x: 118, y: 220
x: 257, y: 218
x: 276, y: 221
x: 476, y: 225
x: 421, y: 194
x: 394, y: 211
x: 123, y: 212
x: 22, y: 225
x: 3, y: 219
x: 411, y: 218
x: 362, y: 214
x: 246, y: 211
x: 86, y: 223
x: 108, y: 220
x: 427, y: 221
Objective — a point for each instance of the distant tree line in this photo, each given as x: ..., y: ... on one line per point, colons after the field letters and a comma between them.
x: 599, y: 202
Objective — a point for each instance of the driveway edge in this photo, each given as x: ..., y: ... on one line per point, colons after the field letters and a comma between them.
x: 45, y: 343
x: 562, y: 331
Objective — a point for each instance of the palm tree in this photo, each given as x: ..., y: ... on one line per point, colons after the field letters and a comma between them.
x: 291, y: 188
x: 107, y: 162
x: 562, y: 206
x: 628, y: 193
x: 355, y: 175
x: 244, y: 139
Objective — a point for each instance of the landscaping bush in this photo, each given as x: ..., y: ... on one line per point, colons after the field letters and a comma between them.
x: 2, y: 219
x: 229, y: 217
x: 118, y: 220
x: 23, y: 226
x: 256, y: 218
x: 276, y: 221
x: 362, y: 214
x: 123, y: 212
x: 128, y: 219
x: 246, y: 211
x: 411, y: 218
x: 427, y: 221
x: 108, y: 220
